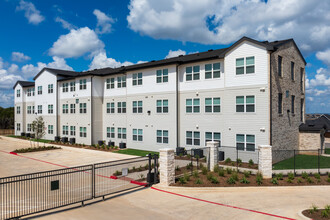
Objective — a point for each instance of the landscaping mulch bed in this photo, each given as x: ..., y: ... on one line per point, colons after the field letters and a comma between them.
x: 243, y: 165
x: 189, y: 158
x: 183, y: 170
x: 205, y: 182
x: 35, y: 149
x: 100, y: 148
x: 316, y: 215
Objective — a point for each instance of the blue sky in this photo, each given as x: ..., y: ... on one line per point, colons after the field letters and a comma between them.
x: 82, y: 35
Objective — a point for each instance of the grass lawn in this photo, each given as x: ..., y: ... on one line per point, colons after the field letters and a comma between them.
x: 303, y: 162
x: 327, y: 151
x: 136, y: 152
x: 36, y: 140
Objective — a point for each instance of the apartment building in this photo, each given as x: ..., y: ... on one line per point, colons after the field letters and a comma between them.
x: 248, y: 94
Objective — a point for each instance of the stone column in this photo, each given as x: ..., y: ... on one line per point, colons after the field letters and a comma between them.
x: 214, y: 154
x: 265, y: 161
x: 166, y: 166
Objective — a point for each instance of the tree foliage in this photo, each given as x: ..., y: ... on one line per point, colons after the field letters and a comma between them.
x: 7, y: 118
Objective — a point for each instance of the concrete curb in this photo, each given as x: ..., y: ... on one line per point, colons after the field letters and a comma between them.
x: 302, y: 216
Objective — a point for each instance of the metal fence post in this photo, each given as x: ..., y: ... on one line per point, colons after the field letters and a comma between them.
x: 191, y: 160
x: 236, y: 158
x: 294, y: 162
x: 93, y: 181
x: 318, y: 160
x: 155, y: 168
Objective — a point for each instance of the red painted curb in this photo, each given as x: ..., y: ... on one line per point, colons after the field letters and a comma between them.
x: 13, y: 153
x: 113, y: 177
x: 138, y: 183
x: 229, y: 206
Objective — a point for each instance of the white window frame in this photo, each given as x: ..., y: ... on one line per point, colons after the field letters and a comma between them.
x: 162, y: 76
x: 121, y: 133
x: 194, y: 140
x: 213, y: 71
x: 72, y: 108
x: 137, y: 79
x: 65, y: 108
x: 121, y: 107
x: 137, y: 134
x: 29, y: 127
x: 18, y: 93
x: 110, y: 83
x: 65, y: 87
x: 18, y: 110
x: 39, y: 109
x: 65, y: 130
x: 246, y: 142
x: 39, y: 90
x: 138, y: 109
x: 82, y: 84
x: 29, y: 110
x: 83, y: 132
x: 161, y: 106
x: 192, y: 74
x: 18, y: 126
x: 50, y: 129
x: 213, y: 136
x: 162, y: 136
x: 82, y: 108
x: 121, y: 82
x: 111, y: 132
x: 111, y: 106
x: 193, y: 106
x: 245, y: 104
x: 73, y: 130
x: 50, y: 109
x: 72, y: 86
x: 50, y: 88
x: 213, y: 106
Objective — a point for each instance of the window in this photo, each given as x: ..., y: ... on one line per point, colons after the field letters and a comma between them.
x: 137, y: 106
x: 301, y: 79
x: 162, y: 106
x: 65, y: 87
x: 239, y: 66
x: 111, y: 83
x: 193, y: 138
x: 50, y: 109
x: 82, y: 84
x: 33, y: 109
x: 212, y: 70
x: 122, y: 133
x: 192, y: 106
x: 121, y: 81
x: 192, y: 73
x: 32, y: 91
x: 121, y: 107
x: 18, y: 126
x: 50, y: 129
x: 137, y: 79
x: 137, y: 134
x: 39, y: 90
x: 301, y: 109
x: 110, y: 107
x: 83, y: 108
x: 212, y: 136
x: 249, y: 65
x: 29, y: 127
x: 65, y: 130
x: 245, y: 142
x: 50, y: 88
x: 279, y: 67
x: 18, y: 93
x: 212, y: 105
x: 83, y: 132
x: 292, y: 103
x: 280, y: 103
x: 72, y: 86
x: 65, y: 108
x: 110, y: 132
x: 162, y: 76
x: 162, y: 136
x: 292, y: 71
x: 247, y: 106
x: 18, y: 110
x: 29, y: 111
x: 29, y: 91
x: 73, y: 130
x: 72, y: 108
x: 39, y: 109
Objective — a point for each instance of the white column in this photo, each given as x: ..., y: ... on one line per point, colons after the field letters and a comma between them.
x: 214, y: 154
x: 265, y: 161
x: 166, y: 166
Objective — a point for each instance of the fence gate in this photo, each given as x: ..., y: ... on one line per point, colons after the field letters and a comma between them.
x: 37, y: 192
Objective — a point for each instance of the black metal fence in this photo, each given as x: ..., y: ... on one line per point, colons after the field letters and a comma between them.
x: 37, y: 192
x: 231, y: 156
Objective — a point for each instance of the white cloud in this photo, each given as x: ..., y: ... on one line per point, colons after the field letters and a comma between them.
x: 1, y: 63
x: 104, y: 22
x: 31, y: 13
x: 322, y: 78
x: 101, y: 61
x: 65, y: 24
x: 19, y: 57
x: 223, y: 21
x: 13, y: 68
x: 7, y: 80
x: 6, y: 99
x: 324, y: 56
x: 77, y: 43
x: 175, y: 53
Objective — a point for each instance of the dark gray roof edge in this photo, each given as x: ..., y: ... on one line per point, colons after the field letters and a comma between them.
x: 24, y: 83
x: 56, y: 72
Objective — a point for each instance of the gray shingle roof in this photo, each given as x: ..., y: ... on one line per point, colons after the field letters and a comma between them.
x: 316, y: 124
x: 24, y: 84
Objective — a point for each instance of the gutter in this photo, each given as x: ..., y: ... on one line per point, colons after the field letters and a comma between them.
x: 91, y: 124
x: 57, y: 107
x: 270, y: 101
x: 177, y: 105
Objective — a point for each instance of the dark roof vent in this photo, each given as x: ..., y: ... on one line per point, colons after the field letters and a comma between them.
x: 181, y: 55
x: 210, y: 50
x: 152, y: 60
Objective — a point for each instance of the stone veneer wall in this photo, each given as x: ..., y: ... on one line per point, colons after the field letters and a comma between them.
x: 285, y: 127
x: 309, y: 141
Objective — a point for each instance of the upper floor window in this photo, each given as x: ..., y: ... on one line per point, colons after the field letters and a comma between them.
x: 162, y: 106
x: 137, y: 106
x: 29, y: 91
x: 50, y: 88
x: 111, y: 107
x: 65, y: 108
x: 137, y: 134
x: 162, y: 136
x: 137, y: 79
x: 121, y: 82
x: 122, y: 133
x: 192, y: 73
x: 72, y: 108
x: 65, y: 87
x: 245, y: 106
x: 83, y: 132
x: 247, y: 68
x: 50, y: 109
x: 65, y: 130
x: 212, y: 105
x: 162, y: 76
x: 279, y: 66
x: 192, y: 106
x: 50, y: 129
x: 18, y: 126
x: 292, y: 103
x: 301, y: 109
x: 82, y: 84
x: 83, y: 108
x: 212, y: 70
x: 29, y: 109
x: 73, y: 130
x: 18, y: 93
x: 18, y: 110
x: 29, y: 127
x: 111, y: 83
x: 212, y: 136
x: 301, y: 79
x: 121, y: 107
x: 245, y: 142
x: 292, y: 71
x: 39, y: 109
x: 110, y: 132
x: 280, y: 103
x: 39, y: 90
x: 72, y: 86
x: 193, y: 138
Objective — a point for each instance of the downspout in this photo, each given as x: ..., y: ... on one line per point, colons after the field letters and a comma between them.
x: 92, y: 110
x: 57, y: 90
x: 177, y: 106
x: 271, y: 101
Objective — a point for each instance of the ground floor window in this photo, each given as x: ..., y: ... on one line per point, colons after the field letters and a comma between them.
x: 50, y: 129
x: 193, y: 138
x: 29, y: 127
x: 137, y: 134
x: 111, y: 132
x: 212, y: 136
x: 162, y: 136
x: 73, y: 130
x: 83, y: 132
x: 245, y: 142
x: 65, y: 130
x: 121, y: 133
x: 18, y: 126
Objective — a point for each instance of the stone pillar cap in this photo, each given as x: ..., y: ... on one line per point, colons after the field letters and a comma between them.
x: 265, y: 146
x: 166, y: 149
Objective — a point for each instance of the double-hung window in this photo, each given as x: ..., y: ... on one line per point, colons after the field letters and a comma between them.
x: 73, y: 130
x: 72, y: 108
x: 39, y: 90
x: 212, y: 70
x: 110, y: 107
x: 245, y: 106
x: 193, y: 138
x: 212, y: 136
x: 65, y: 87
x: 245, y: 142
x: 137, y: 79
x: 212, y: 105
x: 29, y: 127
x: 248, y: 68
x: 292, y: 103
x: 110, y: 132
x: 121, y: 133
x: 137, y: 134
x: 29, y: 91
x: 192, y: 105
x: 18, y: 110
x: 162, y: 106
x: 33, y: 109
x: 50, y: 129
x: 65, y: 130
x: 29, y: 109
x: 50, y: 109
x: 121, y: 82
x: 65, y: 108
x: 82, y: 107
x: 137, y: 106
x: 39, y: 109
x: 50, y: 88
x: 292, y: 71
x: 280, y: 103
x: 162, y: 76
x: 111, y: 83
x: 72, y: 86
x: 192, y: 73
x: 82, y: 84
x: 121, y: 107
x: 162, y: 136
x: 32, y: 91
x: 83, y: 132
x: 18, y: 93
x: 279, y: 66
x: 18, y: 126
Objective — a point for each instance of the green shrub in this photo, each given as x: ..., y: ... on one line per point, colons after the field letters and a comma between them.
x: 216, y: 168
x: 244, y: 180
x: 247, y: 174
x: 309, y: 180
x: 195, y: 174
x: 134, y: 169
x: 197, y: 157
x: 209, y: 177
x: 259, y: 178
x: 146, y: 166
x: 221, y: 172
x: 289, y: 180
x: 299, y: 180
x: 177, y: 168
x: 291, y: 176
x: 228, y: 160
x: 327, y: 207
x: 231, y: 180
x: 228, y: 170
x: 304, y: 175
x: 233, y: 163
x: 189, y: 166
x: 234, y: 175
x: 182, y: 180
x: 198, y: 181
x: 188, y: 156
x: 274, y: 181
x: 204, y: 171
x: 180, y: 155
x: 239, y: 160
x: 186, y: 176
x: 325, y: 214
x: 317, y: 176
x: 279, y: 176
x: 328, y: 180
x: 201, y: 165
x: 251, y: 163
x: 313, y: 209
x: 117, y: 173
x: 214, y: 180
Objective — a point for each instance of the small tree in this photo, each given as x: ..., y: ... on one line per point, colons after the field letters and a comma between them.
x: 38, y: 127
